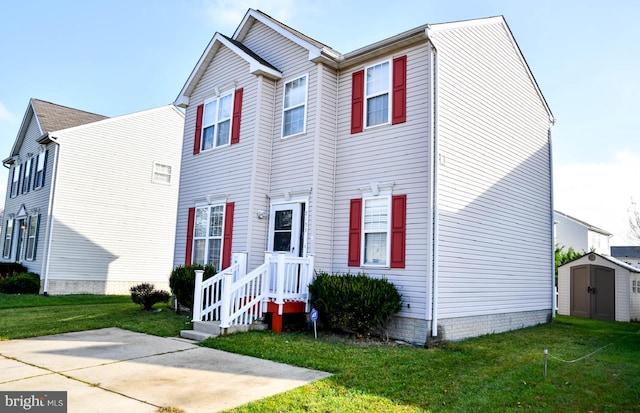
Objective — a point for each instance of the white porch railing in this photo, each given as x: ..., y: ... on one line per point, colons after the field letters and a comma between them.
x: 234, y: 297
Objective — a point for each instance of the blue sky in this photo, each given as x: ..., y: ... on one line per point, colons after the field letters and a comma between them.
x: 114, y: 57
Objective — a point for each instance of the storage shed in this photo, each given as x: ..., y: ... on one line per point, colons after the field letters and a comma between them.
x: 599, y: 287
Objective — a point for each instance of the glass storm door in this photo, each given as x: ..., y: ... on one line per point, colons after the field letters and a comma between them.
x: 286, y: 228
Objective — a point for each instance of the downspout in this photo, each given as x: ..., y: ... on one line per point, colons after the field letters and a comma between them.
x: 50, y: 216
x: 434, y: 175
x: 551, y: 220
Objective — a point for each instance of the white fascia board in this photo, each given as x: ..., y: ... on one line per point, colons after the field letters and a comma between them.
x: 314, y: 51
x: 255, y: 67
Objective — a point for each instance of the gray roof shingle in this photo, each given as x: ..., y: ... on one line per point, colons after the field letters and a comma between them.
x: 52, y: 117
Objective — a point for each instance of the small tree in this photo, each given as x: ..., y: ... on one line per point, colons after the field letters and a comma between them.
x: 634, y: 222
x: 563, y: 257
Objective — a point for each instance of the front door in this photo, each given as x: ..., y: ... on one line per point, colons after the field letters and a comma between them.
x: 593, y: 292
x: 286, y: 228
x: 22, y: 228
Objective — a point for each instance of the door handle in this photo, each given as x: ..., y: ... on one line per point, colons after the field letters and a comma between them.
x: 591, y: 290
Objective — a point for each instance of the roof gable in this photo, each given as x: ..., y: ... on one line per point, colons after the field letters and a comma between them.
x: 257, y: 65
x: 50, y: 117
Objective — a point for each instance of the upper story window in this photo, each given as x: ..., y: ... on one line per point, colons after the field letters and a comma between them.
x: 41, y: 166
x: 15, y: 180
x: 26, y: 181
x: 377, y: 87
x: 216, y: 123
x: 379, y: 94
x: 161, y: 173
x: 295, y: 107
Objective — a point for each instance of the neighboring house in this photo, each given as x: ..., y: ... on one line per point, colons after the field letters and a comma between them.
x: 91, y: 201
x: 580, y: 235
x: 628, y: 254
x: 423, y: 158
x: 599, y: 287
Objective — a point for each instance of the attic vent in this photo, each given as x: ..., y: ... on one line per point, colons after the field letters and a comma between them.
x: 592, y: 257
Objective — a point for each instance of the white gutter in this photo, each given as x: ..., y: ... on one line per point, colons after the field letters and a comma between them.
x: 551, y: 212
x: 50, y: 217
x: 434, y: 185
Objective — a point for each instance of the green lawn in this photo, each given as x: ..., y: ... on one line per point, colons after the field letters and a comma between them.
x: 501, y: 372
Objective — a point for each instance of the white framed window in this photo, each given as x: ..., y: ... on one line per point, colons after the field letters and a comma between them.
x: 295, y: 107
x: 376, y: 225
x: 377, y: 87
x: 208, y: 234
x: 15, y: 180
x: 216, y: 121
x: 161, y: 173
x: 8, y: 237
x: 32, y: 237
x: 38, y: 180
x: 26, y: 181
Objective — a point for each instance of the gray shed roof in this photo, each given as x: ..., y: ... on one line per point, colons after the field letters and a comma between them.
x: 622, y: 264
x: 52, y: 117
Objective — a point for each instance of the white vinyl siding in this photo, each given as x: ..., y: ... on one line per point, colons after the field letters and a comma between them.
x: 495, y: 234
x: 398, y: 155
x: 115, y: 227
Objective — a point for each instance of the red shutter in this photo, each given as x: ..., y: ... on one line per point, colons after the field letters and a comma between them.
x: 398, y: 230
x: 228, y: 231
x: 399, y: 103
x: 237, y: 112
x: 355, y: 221
x: 357, y: 101
x: 189, y: 248
x: 198, y: 134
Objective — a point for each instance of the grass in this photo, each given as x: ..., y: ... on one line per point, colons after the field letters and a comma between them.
x: 500, y: 372
x: 23, y: 316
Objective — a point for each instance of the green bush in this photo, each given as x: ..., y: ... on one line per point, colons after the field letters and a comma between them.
x: 146, y: 295
x: 354, y: 303
x: 183, y: 282
x: 7, y: 269
x: 21, y: 283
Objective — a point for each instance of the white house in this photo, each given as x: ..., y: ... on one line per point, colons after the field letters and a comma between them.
x: 423, y: 158
x: 580, y: 235
x: 91, y: 201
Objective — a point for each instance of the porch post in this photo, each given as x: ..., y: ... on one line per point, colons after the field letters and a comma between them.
x: 197, y: 297
x: 309, y: 280
x: 280, y: 281
x: 225, y: 306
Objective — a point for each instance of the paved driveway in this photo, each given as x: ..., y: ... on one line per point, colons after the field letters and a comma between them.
x: 114, y: 370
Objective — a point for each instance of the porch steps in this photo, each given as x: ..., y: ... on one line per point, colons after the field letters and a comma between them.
x: 202, y: 330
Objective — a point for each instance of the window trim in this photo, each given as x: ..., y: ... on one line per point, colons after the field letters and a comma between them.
x: 388, y: 92
x: 208, y: 237
x: 15, y: 183
x: 8, y: 238
x: 40, y: 174
x: 155, y: 173
x: 26, y: 176
x: 32, y: 240
x: 305, y: 105
x: 204, y: 126
x: 364, y: 232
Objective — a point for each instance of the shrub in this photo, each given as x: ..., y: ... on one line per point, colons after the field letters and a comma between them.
x: 354, y: 303
x: 7, y: 269
x: 146, y: 295
x: 183, y: 282
x: 21, y: 283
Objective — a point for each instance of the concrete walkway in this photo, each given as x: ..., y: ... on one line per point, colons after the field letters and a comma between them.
x: 114, y: 370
